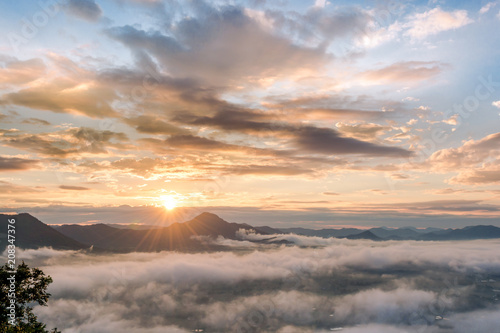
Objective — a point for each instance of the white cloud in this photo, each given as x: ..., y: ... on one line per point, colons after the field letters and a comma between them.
x: 476, y: 161
x: 496, y: 104
x: 453, y: 120
x: 379, y: 36
x: 435, y: 21
x: 320, y: 3
x: 383, y: 307
x: 477, y: 321
x: 487, y: 7
x: 155, y: 292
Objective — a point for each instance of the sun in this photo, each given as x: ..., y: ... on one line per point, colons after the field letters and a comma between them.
x: 169, y: 202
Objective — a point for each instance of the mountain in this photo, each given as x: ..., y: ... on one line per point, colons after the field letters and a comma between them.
x: 365, y: 235
x: 268, y: 230
x: 467, y: 233
x: 390, y: 233
x: 132, y: 226
x: 325, y: 233
x: 178, y: 236
x: 188, y: 236
x: 30, y: 233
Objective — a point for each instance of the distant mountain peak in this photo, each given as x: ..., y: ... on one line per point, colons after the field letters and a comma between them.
x: 32, y: 233
x: 207, y: 215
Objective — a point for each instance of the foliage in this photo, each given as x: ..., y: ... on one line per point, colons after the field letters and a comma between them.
x: 30, y: 288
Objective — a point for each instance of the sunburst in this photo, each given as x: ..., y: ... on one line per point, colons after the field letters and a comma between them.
x: 169, y: 202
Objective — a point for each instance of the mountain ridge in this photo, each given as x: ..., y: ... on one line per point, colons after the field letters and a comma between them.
x: 32, y: 233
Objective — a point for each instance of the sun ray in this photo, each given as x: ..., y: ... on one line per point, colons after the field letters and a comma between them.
x: 169, y: 202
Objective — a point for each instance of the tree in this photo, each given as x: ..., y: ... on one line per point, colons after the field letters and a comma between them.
x: 29, y: 286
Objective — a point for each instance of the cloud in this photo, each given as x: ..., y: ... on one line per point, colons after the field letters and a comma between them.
x: 488, y: 174
x: 381, y: 286
x: 73, y: 188
x: 400, y: 176
x: 87, y: 10
x: 434, y: 21
x: 278, y: 170
x: 208, y: 47
x: 153, y: 125
x: 481, y: 321
x: 306, y: 139
x: 381, y: 306
x: 486, y: 8
x: 496, y: 104
x: 470, y: 153
x: 320, y: 26
x: 14, y: 72
x: 331, y: 193
x: 407, y: 71
x: 36, y: 121
x: 367, y: 131
x: 72, y: 141
x: 476, y: 161
x: 17, y: 164
x: 292, y: 238
x: 329, y: 142
x: 177, y: 144
x: 64, y: 96
x: 7, y: 189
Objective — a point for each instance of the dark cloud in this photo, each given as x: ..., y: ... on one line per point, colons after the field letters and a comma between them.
x: 39, y: 144
x: 327, y: 141
x: 62, y: 144
x: 73, y: 188
x: 15, y: 163
x: 197, y: 143
x: 209, y: 47
x: 36, y: 121
x: 307, y: 139
x: 233, y: 120
x: 321, y: 26
x: 87, y: 10
x: 153, y: 125
x: 278, y: 170
x: 400, y: 176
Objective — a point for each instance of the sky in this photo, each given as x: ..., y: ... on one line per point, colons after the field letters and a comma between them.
x: 285, y: 113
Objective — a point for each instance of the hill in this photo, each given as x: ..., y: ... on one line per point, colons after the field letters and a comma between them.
x: 467, y: 233
x: 178, y: 236
x: 30, y: 233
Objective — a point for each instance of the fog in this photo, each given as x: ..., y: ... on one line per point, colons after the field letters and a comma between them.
x: 348, y: 285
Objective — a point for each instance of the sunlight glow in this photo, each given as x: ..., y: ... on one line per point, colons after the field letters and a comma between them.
x: 169, y: 202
